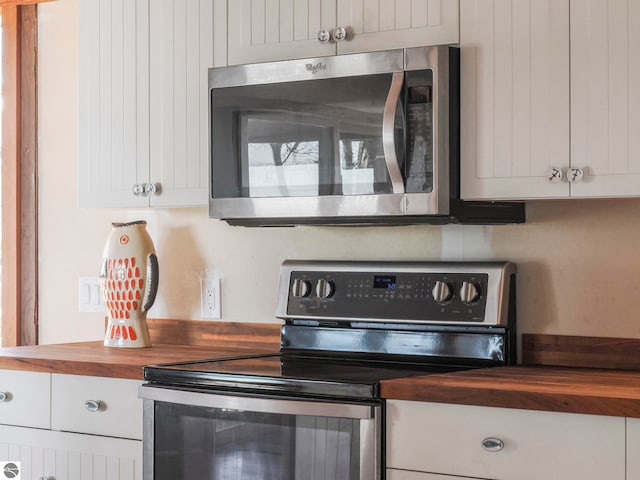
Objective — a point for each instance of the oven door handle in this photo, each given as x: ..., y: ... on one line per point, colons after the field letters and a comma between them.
x: 388, y: 132
x: 235, y: 401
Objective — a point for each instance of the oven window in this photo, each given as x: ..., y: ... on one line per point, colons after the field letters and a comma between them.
x: 209, y: 443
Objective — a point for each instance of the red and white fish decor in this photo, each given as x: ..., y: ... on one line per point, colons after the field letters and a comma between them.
x: 129, y: 279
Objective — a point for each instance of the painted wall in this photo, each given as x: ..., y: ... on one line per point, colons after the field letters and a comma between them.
x: 579, y: 260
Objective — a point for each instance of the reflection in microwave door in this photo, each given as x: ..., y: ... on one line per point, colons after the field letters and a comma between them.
x: 417, y: 169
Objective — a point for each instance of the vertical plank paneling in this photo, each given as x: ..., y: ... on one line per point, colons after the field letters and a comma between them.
x: 62, y: 464
x: 206, y: 61
x: 371, y: 16
x: 419, y: 13
x: 387, y: 18
x: 403, y: 14
x: 89, y: 104
x: 618, y: 83
x: 86, y: 468
x: 129, y: 123
x: 106, y: 126
x: 522, y: 93
x: 469, y: 55
x: 246, y: 15
x: 286, y: 20
x: 142, y: 92
x: 189, y: 165
x: 300, y: 20
x: 503, y: 80
x: 314, y: 18
x: 485, y: 87
x: 166, y: 100
x: 113, y: 463
x: 174, y: 168
x: 37, y: 462
x: 220, y: 33
x: 74, y: 460
x: 100, y: 468
x: 579, y: 84
x: 272, y: 21
x: 257, y: 22
x: 633, y: 28
x: 117, y: 94
x: 434, y: 12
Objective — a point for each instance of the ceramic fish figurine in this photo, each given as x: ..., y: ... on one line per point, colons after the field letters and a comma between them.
x: 129, y: 280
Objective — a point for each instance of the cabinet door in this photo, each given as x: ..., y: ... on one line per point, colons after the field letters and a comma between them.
x: 393, y: 474
x: 605, y: 96
x: 181, y: 52
x: 633, y: 448
x: 113, y: 102
x: 266, y: 30
x: 68, y: 456
x: 514, y: 97
x: 383, y: 25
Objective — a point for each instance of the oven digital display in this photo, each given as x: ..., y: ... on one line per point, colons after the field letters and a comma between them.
x: 388, y: 282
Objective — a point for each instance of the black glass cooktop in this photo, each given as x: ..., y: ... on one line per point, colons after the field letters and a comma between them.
x: 290, y: 375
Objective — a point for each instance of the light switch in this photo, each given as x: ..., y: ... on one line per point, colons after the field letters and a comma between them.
x: 90, y: 295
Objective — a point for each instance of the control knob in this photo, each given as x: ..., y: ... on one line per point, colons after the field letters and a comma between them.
x: 469, y: 292
x: 300, y: 288
x: 442, y: 291
x: 325, y: 288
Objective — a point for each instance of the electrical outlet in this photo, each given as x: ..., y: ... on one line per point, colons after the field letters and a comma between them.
x: 90, y: 295
x: 210, y: 298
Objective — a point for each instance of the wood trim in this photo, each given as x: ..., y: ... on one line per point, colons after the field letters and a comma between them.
x: 19, y: 153
x: 28, y: 176
x: 13, y: 3
x: 11, y: 334
x: 574, y: 351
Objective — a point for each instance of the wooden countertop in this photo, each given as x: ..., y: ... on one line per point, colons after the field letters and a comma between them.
x: 559, y: 389
x: 93, y: 358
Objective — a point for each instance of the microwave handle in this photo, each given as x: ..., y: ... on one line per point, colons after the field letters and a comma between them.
x: 388, y: 132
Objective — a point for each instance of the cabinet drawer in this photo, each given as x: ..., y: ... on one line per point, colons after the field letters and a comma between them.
x: 27, y: 398
x: 119, y: 412
x: 447, y: 439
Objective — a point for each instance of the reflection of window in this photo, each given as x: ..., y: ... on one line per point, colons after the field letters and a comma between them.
x: 19, y: 300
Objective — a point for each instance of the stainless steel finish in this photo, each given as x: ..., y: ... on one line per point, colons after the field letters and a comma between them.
x: 302, y: 207
x: 469, y: 292
x: 339, y: 34
x: 575, y: 175
x: 324, y: 36
x: 138, y: 189
x: 435, y: 59
x: 442, y: 292
x: 256, y: 404
x: 325, y: 288
x: 94, y: 405
x: 496, y: 311
x: 492, y: 444
x: 370, y: 420
x: 554, y: 175
x: 388, y: 133
x: 300, y: 288
x: 372, y: 63
x: 4, y: 396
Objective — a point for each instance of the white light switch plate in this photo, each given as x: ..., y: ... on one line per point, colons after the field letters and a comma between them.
x: 90, y: 295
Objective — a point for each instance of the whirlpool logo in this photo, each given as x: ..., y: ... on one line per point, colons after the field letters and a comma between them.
x: 10, y: 470
x: 316, y: 68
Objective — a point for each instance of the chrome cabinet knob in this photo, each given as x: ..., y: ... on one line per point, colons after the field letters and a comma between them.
x: 469, y: 292
x: 152, y: 189
x: 442, y: 292
x: 138, y: 189
x: 575, y: 175
x: 554, y: 175
x: 300, y: 288
x: 324, y: 36
x: 339, y: 34
x: 5, y: 396
x: 94, y: 405
x: 325, y: 288
x: 492, y: 444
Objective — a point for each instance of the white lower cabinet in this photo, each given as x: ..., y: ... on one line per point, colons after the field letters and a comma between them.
x: 408, y: 475
x: 86, y: 427
x: 502, y: 444
x: 633, y: 448
x: 51, y: 455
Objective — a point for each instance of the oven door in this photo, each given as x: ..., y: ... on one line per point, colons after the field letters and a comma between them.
x: 195, y: 434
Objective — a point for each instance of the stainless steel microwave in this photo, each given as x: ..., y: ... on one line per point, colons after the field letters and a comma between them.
x: 362, y: 138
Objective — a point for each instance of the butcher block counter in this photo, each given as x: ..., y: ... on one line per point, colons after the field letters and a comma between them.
x: 172, y: 341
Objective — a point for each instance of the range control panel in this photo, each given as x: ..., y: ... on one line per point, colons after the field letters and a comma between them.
x: 465, y: 293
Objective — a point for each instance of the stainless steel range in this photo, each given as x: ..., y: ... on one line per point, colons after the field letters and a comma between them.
x: 313, y: 411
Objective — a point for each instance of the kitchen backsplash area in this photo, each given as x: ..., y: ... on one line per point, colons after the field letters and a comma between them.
x: 578, y: 260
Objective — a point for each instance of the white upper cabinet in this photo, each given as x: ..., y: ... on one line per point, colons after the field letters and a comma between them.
x: 143, y: 100
x: 514, y: 97
x: 550, y: 84
x: 605, y: 97
x: 268, y: 30
x: 114, y: 102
